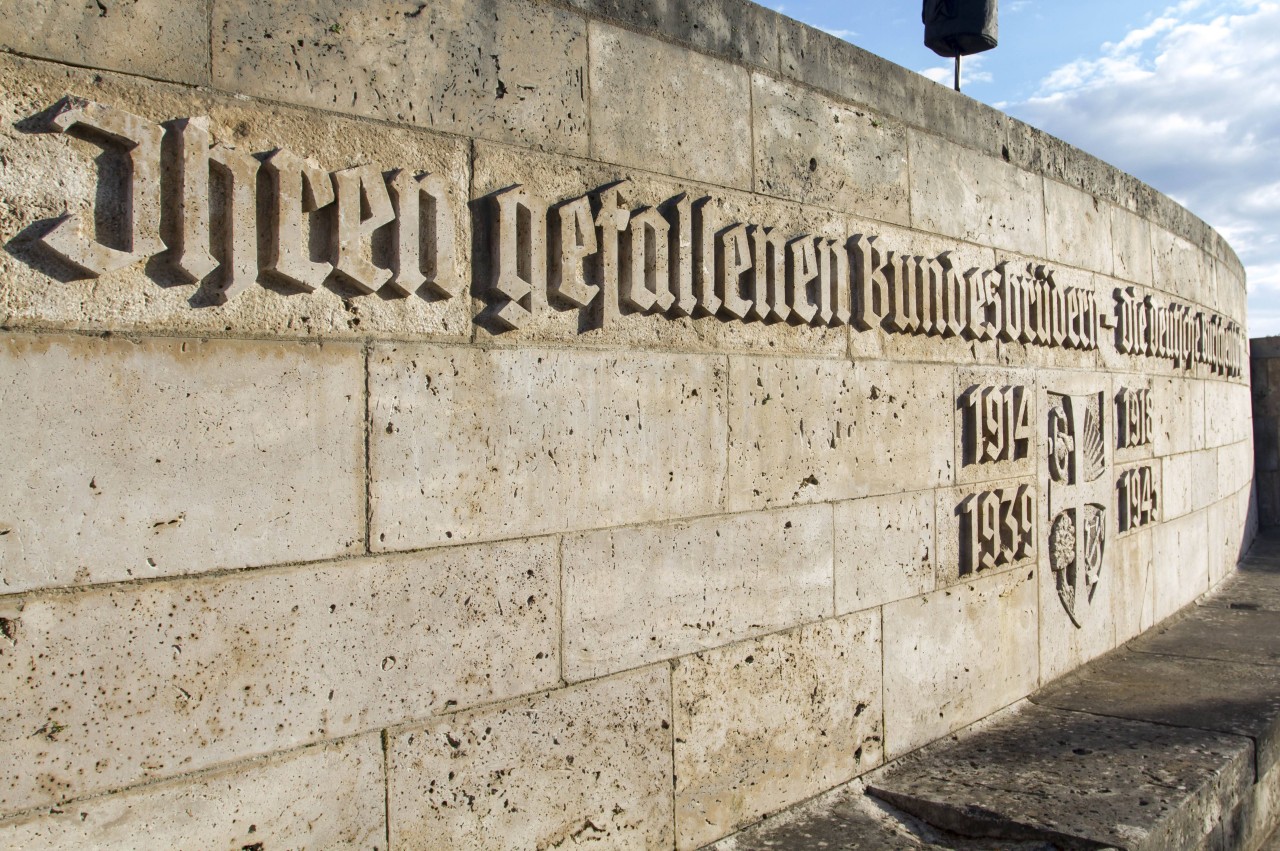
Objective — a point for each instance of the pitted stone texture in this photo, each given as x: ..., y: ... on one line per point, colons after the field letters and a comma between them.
x: 590, y: 763
x: 1180, y: 268
x: 152, y: 38
x: 1077, y: 228
x: 1076, y: 780
x: 965, y: 194
x: 1212, y: 632
x: 637, y: 595
x: 328, y: 796
x: 735, y: 29
x: 1189, y: 482
x: 952, y: 565
x: 1181, y: 561
x: 814, y: 430
x: 885, y: 549
x: 469, y: 444
x: 113, y: 687
x: 1169, y: 688
x: 499, y: 69
x: 1133, y: 584
x: 1020, y: 456
x: 1228, y: 413
x: 764, y: 724
x: 816, y: 150
x: 1179, y: 411
x: 1066, y: 644
x: 941, y: 668
x: 1131, y: 247
x: 665, y: 108
x: 39, y: 291
x: 556, y: 179
x: 1235, y: 469
x: 131, y: 460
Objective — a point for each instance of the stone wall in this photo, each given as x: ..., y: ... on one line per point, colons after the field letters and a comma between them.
x: 514, y: 424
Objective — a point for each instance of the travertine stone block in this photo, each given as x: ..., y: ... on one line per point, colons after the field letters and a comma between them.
x: 1189, y: 482
x: 1179, y: 412
x: 1223, y: 538
x: 328, y: 796
x: 885, y: 549
x: 166, y: 457
x: 1181, y: 561
x: 504, y: 69
x: 958, y: 655
x: 735, y: 29
x: 151, y: 38
x: 1228, y: 410
x: 764, y: 724
x: 814, y: 430
x: 985, y: 528
x: 665, y: 108
x: 1234, y: 468
x: 995, y: 424
x: 108, y: 688
x: 1133, y: 410
x: 1180, y: 268
x: 965, y: 194
x: 1077, y: 230
x: 1069, y: 639
x: 37, y: 290
x: 637, y: 595
x: 1131, y: 247
x: 813, y: 149
x: 1133, y: 584
x: 586, y: 763
x: 469, y: 444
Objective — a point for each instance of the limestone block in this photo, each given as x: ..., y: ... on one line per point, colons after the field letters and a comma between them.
x: 1234, y: 468
x: 328, y: 796
x: 995, y: 424
x: 151, y: 38
x: 735, y: 29
x: 885, y: 549
x: 658, y: 106
x: 1223, y: 538
x: 814, y: 430
x: 1131, y: 247
x: 1133, y: 584
x: 505, y: 69
x: 1179, y: 412
x: 1189, y: 482
x: 767, y: 723
x: 51, y: 175
x: 166, y: 457
x: 1181, y: 562
x: 958, y: 655
x: 1068, y: 639
x: 640, y: 594
x: 107, y: 688
x: 1179, y: 268
x: 561, y: 182
x: 1228, y: 413
x: 1077, y: 227
x: 469, y: 444
x: 813, y: 149
x: 1133, y: 410
x: 985, y: 528
x: 586, y: 763
x: 975, y: 197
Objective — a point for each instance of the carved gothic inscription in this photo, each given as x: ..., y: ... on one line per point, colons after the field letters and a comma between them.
x: 1136, y: 499
x: 997, y: 424
x: 1078, y: 496
x: 997, y: 529
x: 1133, y: 418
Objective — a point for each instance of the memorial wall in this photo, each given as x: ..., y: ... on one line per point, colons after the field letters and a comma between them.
x: 521, y: 424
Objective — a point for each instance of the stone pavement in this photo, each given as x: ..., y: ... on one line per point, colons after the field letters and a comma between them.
x: 1170, y: 742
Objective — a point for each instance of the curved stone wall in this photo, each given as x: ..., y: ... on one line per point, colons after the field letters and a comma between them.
x: 513, y: 424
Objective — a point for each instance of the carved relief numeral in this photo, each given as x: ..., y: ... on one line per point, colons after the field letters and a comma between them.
x: 1137, y: 498
x: 1133, y: 416
x: 998, y: 424
x: 998, y: 529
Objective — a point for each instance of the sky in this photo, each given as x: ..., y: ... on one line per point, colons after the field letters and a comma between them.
x: 1183, y: 95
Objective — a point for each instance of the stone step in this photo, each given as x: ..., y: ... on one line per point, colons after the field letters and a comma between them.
x: 1171, y: 742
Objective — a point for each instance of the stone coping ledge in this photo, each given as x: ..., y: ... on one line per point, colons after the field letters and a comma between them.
x: 1170, y: 742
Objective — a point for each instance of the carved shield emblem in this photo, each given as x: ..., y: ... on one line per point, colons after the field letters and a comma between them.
x: 1078, y: 494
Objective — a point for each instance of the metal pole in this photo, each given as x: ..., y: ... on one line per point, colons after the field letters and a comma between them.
x: 957, y: 72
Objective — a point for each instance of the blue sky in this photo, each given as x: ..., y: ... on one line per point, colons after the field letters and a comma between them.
x: 1183, y: 95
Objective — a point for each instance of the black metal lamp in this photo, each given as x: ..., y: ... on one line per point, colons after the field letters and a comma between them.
x: 960, y: 28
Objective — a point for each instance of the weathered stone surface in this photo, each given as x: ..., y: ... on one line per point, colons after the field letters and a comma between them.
x: 815, y: 430
x: 1180, y: 556
x: 820, y: 151
x: 1249, y: 589
x: 1179, y: 268
x: 1076, y: 227
x: 503, y: 69
x: 328, y: 796
x: 1131, y: 247
x: 1133, y: 584
x: 112, y: 687
x: 995, y: 424
x: 167, y: 457
x: 640, y: 594
x: 1234, y: 467
x: 1228, y: 413
x: 735, y: 29
x: 885, y: 549
x: 1147, y: 786
x: 587, y: 763
x: 1179, y: 409
x: 1014, y: 503
x: 1189, y: 482
x: 469, y: 444
x: 766, y: 723
x: 659, y: 107
x: 151, y: 38
x: 940, y: 669
x: 1212, y: 632
x: 966, y: 194
x: 1170, y: 688
x: 39, y: 291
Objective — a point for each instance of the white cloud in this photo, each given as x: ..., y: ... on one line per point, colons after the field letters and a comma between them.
x: 970, y: 72
x: 1190, y: 103
x: 838, y: 33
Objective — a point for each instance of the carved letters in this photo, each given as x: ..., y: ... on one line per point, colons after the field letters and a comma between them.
x: 997, y: 424
x: 1133, y: 418
x: 1136, y: 498
x: 997, y: 529
x: 1179, y: 332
